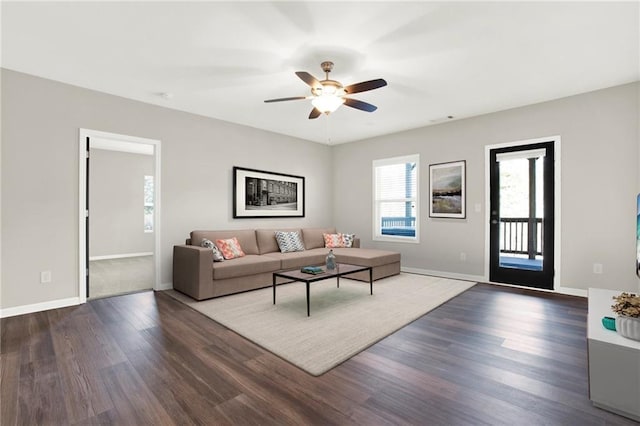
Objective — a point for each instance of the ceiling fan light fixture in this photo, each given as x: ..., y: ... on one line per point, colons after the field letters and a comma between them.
x: 327, y: 103
x: 327, y: 95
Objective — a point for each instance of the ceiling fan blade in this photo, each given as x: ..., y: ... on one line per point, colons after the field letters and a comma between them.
x: 286, y: 99
x: 308, y: 78
x: 364, y: 106
x: 365, y: 85
x: 315, y: 113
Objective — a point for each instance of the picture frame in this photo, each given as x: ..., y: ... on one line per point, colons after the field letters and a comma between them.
x: 447, y: 190
x: 263, y: 194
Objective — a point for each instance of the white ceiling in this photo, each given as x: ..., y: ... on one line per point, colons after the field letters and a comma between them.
x: 222, y: 59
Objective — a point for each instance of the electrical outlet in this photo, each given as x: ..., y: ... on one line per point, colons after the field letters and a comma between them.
x: 463, y: 256
x: 597, y: 268
x: 45, y: 277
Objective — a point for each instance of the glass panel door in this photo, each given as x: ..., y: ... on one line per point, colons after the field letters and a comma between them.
x: 521, y: 240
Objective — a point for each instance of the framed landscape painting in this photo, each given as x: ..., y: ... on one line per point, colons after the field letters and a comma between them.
x: 447, y: 190
x: 259, y: 194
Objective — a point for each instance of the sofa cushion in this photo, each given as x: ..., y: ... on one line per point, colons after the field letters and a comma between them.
x: 243, y: 266
x: 298, y: 259
x: 230, y: 248
x: 267, y: 239
x: 366, y: 257
x: 313, y: 237
x: 289, y: 241
x: 246, y: 238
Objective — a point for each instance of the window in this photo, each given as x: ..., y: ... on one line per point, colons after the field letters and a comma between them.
x: 148, y: 203
x: 395, y: 192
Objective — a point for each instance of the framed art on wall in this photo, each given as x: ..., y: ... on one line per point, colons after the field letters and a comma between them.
x: 447, y: 190
x: 260, y: 194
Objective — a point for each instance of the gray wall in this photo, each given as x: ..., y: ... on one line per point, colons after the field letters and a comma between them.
x: 116, y: 203
x: 40, y: 122
x: 599, y: 166
x: 41, y: 118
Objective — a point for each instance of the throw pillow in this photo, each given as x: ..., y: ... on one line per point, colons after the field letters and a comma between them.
x: 347, y: 240
x: 230, y: 248
x: 332, y: 240
x: 289, y: 241
x: 217, y: 255
x: 338, y: 240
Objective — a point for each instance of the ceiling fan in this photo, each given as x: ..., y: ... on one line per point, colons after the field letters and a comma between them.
x: 327, y: 95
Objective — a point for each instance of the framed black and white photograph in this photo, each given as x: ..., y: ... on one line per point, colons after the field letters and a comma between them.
x: 447, y: 190
x: 258, y: 194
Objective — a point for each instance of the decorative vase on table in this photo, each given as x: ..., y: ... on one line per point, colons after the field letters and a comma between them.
x: 331, y: 261
x: 628, y: 327
x: 627, y: 307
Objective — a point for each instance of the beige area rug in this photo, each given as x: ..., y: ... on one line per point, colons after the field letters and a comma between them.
x: 343, y: 322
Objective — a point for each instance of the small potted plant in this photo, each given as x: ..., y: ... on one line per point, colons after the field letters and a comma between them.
x: 627, y: 307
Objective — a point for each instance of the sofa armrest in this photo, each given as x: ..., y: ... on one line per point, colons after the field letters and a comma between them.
x: 356, y: 243
x: 192, y: 269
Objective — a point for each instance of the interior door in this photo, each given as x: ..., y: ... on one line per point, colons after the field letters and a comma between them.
x: 522, y: 215
x: 86, y: 220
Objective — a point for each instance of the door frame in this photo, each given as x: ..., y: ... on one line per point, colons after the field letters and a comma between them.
x: 82, y: 199
x: 556, y: 213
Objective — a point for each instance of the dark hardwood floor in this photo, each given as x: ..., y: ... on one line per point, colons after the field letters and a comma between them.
x: 493, y: 355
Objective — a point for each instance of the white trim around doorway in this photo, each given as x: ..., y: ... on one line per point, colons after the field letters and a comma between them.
x: 82, y: 198
x: 557, y: 210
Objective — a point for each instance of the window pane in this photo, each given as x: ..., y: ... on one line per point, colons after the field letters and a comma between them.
x: 396, y: 200
x: 396, y: 181
x: 398, y: 218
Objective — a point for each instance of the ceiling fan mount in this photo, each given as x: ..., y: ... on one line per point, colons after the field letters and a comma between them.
x: 327, y: 67
x: 327, y: 95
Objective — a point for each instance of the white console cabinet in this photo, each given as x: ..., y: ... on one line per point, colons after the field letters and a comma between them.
x: 614, y: 361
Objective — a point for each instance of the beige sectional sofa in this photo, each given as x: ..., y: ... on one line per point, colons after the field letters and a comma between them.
x: 197, y: 275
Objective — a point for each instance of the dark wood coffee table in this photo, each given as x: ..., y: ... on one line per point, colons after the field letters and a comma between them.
x: 341, y: 270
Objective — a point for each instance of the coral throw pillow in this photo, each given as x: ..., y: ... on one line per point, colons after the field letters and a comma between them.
x: 230, y: 248
x: 332, y: 240
x: 338, y: 240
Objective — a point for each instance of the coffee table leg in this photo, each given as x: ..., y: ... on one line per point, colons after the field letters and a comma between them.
x: 308, y: 299
x: 274, y: 289
x: 338, y: 278
x: 370, y: 279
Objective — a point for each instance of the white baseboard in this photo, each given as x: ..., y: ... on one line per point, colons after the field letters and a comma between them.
x: 38, y: 307
x: 560, y: 290
x: 478, y: 278
x: 572, y: 291
x: 452, y: 275
x: 165, y: 286
x: 121, y: 256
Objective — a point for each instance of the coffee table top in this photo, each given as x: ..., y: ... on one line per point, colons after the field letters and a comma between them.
x: 341, y: 269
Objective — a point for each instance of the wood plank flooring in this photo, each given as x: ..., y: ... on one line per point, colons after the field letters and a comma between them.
x: 491, y: 356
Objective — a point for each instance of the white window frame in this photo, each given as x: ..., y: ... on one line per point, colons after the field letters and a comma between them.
x: 377, y: 231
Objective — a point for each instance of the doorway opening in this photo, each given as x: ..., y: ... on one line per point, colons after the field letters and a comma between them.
x: 522, y: 213
x: 119, y: 214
